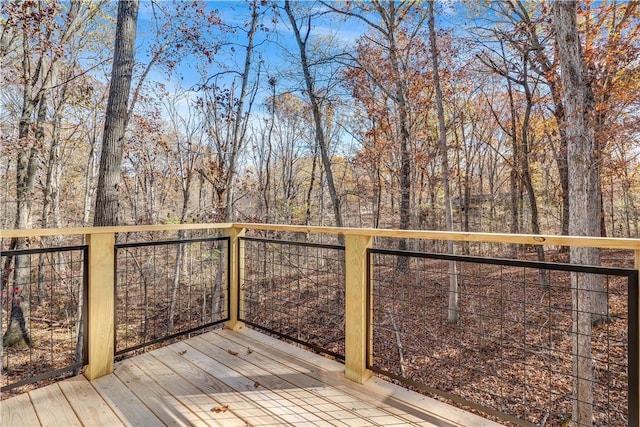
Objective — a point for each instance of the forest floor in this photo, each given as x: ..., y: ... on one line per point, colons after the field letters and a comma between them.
x: 511, y: 349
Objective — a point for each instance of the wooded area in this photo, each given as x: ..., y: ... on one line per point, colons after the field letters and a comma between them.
x: 334, y: 129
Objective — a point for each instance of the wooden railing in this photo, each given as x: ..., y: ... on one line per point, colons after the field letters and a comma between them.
x: 101, y: 304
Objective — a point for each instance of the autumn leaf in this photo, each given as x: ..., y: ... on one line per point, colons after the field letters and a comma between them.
x: 220, y: 409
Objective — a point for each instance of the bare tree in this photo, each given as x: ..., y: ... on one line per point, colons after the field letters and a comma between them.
x: 36, y: 29
x: 227, y: 113
x: 241, y: 119
x: 584, y: 205
x: 187, y: 150
x: 117, y: 115
x: 454, y: 310
x: 398, y: 26
x: 314, y: 100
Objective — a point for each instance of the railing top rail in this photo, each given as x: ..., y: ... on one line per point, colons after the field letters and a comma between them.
x: 526, y: 239
x: 118, y: 229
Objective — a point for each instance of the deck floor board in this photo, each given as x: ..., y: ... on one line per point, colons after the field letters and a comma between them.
x: 225, y: 378
x: 84, y: 399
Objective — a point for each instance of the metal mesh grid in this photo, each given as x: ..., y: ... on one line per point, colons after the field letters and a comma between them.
x: 511, y: 350
x: 48, y: 287
x: 295, y: 290
x: 168, y: 288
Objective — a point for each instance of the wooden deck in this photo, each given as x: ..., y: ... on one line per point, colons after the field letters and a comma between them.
x: 229, y: 378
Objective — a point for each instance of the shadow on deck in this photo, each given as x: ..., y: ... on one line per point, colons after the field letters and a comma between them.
x: 229, y: 378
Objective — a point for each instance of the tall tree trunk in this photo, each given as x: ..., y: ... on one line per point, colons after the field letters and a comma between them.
x: 584, y: 212
x: 454, y: 307
x: 117, y: 115
x: 241, y: 121
x: 317, y: 114
x: 26, y: 169
x: 527, y: 182
x: 264, y: 182
x: 314, y: 161
x: 36, y: 79
x: 514, y: 177
x: 89, y: 176
x: 546, y: 68
x: 561, y: 157
x: 405, y: 140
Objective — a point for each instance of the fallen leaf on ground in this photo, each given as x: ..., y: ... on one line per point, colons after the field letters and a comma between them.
x: 220, y: 409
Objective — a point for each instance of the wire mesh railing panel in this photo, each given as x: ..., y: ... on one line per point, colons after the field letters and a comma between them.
x: 295, y: 290
x: 43, y: 314
x: 507, y: 346
x: 168, y: 288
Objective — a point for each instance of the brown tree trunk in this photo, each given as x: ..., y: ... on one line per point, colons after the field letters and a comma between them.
x: 38, y: 68
x: 26, y: 169
x: 519, y: 13
x: 527, y: 181
x: 584, y: 212
x: 453, y: 313
x: 117, y: 115
x: 405, y: 136
x: 317, y: 115
x: 241, y: 118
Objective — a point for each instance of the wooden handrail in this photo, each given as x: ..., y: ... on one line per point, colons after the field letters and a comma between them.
x: 41, y: 232
x: 524, y: 239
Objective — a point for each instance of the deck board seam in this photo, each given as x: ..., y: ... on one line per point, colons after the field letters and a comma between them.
x: 115, y: 413
x: 266, y: 341
x: 230, y: 388
x: 181, y: 384
x: 349, y: 389
x: 220, y: 361
x: 373, y: 404
x: 143, y: 365
x: 234, y: 389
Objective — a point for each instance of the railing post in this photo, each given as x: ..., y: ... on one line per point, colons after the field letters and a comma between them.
x: 236, y: 277
x: 356, y: 313
x: 101, y: 305
x: 634, y: 369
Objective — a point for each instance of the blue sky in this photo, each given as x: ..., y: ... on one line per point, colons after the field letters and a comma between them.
x: 274, y: 47
x: 280, y: 37
x: 277, y: 47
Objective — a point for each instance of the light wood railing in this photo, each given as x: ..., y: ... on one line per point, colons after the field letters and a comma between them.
x: 101, y: 240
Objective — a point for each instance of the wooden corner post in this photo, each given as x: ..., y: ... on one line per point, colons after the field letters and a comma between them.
x: 236, y: 277
x: 356, y: 314
x: 101, y: 306
x: 634, y: 369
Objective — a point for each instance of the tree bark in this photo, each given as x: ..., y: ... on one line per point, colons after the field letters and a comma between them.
x: 317, y: 114
x: 241, y: 121
x: 527, y: 181
x: 26, y: 169
x: 584, y: 206
x: 454, y: 310
x: 37, y: 73
x: 403, y: 118
x: 117, y: 115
